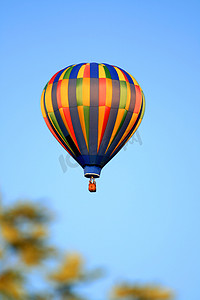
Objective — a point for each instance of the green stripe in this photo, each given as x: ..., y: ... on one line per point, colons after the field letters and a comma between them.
x: 122, y: 122
x: 107, y: 72
x: 67, y: 73
x: 123, y: 94
x: 54, y: 121
x: 79, y: 91
x: 86, y: 110
x: 46, y: 86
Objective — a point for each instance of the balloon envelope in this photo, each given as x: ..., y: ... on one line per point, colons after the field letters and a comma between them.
x: 92, y: 110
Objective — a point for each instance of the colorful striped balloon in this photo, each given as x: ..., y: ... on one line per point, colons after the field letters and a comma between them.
x: 92, y: 110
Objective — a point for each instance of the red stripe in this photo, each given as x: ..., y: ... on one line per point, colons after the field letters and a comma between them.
x: 105, y: 121
x: 138, y: 99
x: 125, y: 76
x: 52, y: 79
x: 102, y: 91
x: 58, y: 94
x: 67, y: 115
x: 87, y: 71
x: 49, y: 126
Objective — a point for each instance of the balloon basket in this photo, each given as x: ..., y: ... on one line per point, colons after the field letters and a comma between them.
x: 92, y: 185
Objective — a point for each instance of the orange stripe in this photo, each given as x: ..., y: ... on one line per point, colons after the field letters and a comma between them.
x: 48, y: 98
x: 59, y: 94
x: 66, y: 117
x: 105, y: 121
x: 64, y: 93
x: 87, y: 71
x: 108, y: 92
x: 138, y: 99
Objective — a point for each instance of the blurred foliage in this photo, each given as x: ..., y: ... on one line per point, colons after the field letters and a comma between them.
x: 24, y: 228
x: 136, y: 292
x: 24, y: 247
x: 11, y: 285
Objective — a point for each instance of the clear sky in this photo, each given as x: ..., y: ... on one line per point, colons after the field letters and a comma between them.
x: 143, y: 223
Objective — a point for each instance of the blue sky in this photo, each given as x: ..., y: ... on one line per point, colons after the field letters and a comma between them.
x: 143, y: 223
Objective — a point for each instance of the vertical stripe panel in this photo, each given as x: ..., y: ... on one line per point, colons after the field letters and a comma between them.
x: 75, y: 117
x: 86, y: 91
x: 138, y: 99
x: 123, y: 94
x: 94, y: 107
x: 48, y: 100
x: 94, y: 70
x: 102, y: 73
x: 109, y: 89
x: 102, y: 91
x: 87, y: 71
x: 64, y: 93
x: 79, y: 91
x: 133, y: 98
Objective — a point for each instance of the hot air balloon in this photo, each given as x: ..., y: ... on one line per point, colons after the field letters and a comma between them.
x: 92, y: 110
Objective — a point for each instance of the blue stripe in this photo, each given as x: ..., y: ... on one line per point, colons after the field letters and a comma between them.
x: 94, y: 70
x: 75, y: 70
x: 58, y: 75
x: 127, y: 75
x: 112, y: 71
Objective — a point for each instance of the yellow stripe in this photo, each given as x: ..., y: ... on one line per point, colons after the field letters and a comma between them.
x: 81, y: 71
x: 86, y: 91
x: 48, y: 99
x: 82, y: 121
x: 120, y: 74
x: 108, y: 92
x: 131, y: 123
x: 100, y: 122
x: 120, y: 115
x: 63, y: 73
x: 42, y: 105
x: 64, y: 93
x: 102, y: 73
x: 134, y: 80
x: 128, y: 96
